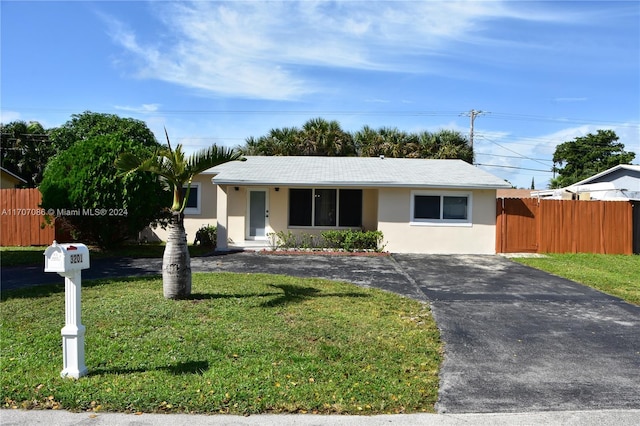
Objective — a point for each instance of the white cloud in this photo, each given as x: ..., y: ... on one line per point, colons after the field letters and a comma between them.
x: 142, y: 109
x: 264, y: 50
x: 569, y: 99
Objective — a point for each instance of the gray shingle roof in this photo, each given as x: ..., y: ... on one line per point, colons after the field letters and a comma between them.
x: 354, y: 172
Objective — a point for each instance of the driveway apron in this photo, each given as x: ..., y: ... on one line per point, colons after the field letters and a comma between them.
x: 518, y: 339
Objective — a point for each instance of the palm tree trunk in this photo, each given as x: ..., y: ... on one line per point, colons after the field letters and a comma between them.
x: 176, y: 263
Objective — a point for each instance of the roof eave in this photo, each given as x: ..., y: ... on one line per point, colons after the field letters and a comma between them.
x: 357, y: 184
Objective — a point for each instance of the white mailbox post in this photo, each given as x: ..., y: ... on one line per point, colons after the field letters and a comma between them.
x: 69, y: 260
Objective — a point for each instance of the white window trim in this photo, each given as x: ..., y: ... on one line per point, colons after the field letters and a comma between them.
x: 442, y: 222
x: 195, y: 186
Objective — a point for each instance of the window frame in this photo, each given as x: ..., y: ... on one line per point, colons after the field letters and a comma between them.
x: 194, y: 210
x: 441, y: 221
x: 313, y: 209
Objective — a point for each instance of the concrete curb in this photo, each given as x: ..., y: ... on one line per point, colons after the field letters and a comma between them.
x: 64, y: 418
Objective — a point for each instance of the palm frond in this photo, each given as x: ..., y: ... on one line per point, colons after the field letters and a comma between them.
x: 206, y: 158
x: 175, y: 168
x: 128, y: 163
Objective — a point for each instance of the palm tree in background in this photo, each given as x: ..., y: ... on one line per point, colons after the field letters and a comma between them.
x: 326, y: 138
x: 177, y: 170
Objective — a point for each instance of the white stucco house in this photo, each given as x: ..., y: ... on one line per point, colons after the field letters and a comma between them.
x: 421, y: 206
x: 618, y: 183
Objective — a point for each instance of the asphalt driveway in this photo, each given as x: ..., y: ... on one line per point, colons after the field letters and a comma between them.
x: 516, y: 339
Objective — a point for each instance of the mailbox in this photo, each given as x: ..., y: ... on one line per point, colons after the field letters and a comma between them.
x: 66, y: 257
x: 68, y: 260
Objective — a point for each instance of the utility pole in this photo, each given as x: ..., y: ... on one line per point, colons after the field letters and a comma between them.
x: 472, y: 115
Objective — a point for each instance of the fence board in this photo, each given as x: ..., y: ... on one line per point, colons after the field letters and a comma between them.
x: 566, y: 226
x: 636, y: 227
x: 21, y: 219
x: 517, y: 223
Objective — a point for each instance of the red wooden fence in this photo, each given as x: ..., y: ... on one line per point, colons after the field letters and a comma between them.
x: 564, y: 226
x: 22, y: 221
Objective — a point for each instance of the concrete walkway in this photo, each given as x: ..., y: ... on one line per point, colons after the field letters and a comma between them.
x: 517, y: 340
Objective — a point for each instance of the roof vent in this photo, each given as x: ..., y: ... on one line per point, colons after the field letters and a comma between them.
x: 382, y: 157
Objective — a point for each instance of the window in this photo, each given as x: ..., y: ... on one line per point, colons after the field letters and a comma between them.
x: 351, y: 208
x: 440, y: 208
x: 325, y: 207
x: 300, y: 207
x: 426, y: 207
x: 193, y: 202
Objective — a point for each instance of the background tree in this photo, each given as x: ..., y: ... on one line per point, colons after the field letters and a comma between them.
x: 586, y: 156
x: 26, y: 149
x: 445, y: 144
x: 178, y: 171
x: 317, y: 137
x: 112, y: 208
x: 89, y: 124
x: 368, y: 142
x: 326, y: 138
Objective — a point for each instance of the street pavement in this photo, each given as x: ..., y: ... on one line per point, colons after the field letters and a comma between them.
x: 521, y: 346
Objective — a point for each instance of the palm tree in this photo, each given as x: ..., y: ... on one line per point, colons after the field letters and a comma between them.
x: 368, y: 142
x: 177, y: 170
x: 320, y: 137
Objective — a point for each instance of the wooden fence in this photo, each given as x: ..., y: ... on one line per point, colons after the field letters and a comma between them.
x: 564, y: 226
x: 22, y: 222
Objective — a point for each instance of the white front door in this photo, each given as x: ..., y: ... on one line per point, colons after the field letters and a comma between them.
x: 258, y: 214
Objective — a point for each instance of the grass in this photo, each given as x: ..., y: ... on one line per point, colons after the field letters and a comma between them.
x: 21, y: 256
x: 617, y: 275
x: 242, y: 344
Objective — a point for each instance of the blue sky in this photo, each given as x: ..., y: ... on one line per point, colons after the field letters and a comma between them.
x: 543, y: 72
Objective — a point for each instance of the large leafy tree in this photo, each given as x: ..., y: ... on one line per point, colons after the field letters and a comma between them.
x: 26, y: 149
x: 586, y: 156
x: 177, y: 170
x: 89, y: 124
x: 82, y: 186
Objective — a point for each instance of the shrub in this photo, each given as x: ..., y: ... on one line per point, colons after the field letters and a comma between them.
x: 350, y: 240
x: 206, y: 236
x: 101, y: 206
x: 285, y: 240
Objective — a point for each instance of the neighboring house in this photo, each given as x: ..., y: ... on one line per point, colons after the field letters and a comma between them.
x: 421, y: 206
x: 513, y: 193
x: 10, y: 180
x: 619, y: 183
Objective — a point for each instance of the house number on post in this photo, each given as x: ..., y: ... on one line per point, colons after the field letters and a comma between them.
x: 68, y: 260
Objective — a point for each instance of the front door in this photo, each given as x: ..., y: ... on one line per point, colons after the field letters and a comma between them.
x: 258, y: 214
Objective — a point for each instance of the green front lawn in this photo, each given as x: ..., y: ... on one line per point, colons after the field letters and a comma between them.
x: 244, y: 343
x: 617, y: 275
x: 33, y: 255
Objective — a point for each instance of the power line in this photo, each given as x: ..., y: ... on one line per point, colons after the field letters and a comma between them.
x: 511, y: 156
x: 513, y: 167
x: 511, y: 150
